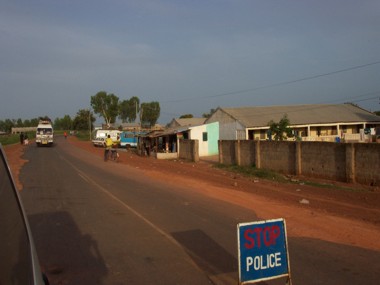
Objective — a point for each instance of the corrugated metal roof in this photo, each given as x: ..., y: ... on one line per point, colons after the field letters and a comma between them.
x: 301, y: 114
x: 167, y: 132
x: 190, y: 121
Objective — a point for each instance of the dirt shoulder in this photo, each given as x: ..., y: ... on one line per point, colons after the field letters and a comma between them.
x: 350, y: 217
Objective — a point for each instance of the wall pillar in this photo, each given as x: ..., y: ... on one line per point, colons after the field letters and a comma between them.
x: 350, y: 163
x: 220, y: 151
x: 257, y: 155
x: 195, y: 150
x: 238, y: 152
x: 298, y: 158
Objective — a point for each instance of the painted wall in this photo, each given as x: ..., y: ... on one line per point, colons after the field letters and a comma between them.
x: 210, y: 146
x: 228, y: 127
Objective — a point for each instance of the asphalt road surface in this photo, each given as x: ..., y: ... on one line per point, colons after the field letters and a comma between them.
x: 98, y: 222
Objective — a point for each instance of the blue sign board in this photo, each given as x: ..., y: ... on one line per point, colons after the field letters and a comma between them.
x: 263, y: 252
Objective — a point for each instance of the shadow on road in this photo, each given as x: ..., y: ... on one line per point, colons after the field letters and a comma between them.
x: 206, y: 253
x: 66, y: 255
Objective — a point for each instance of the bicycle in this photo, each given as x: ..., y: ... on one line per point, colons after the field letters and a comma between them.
x: 114, y: 155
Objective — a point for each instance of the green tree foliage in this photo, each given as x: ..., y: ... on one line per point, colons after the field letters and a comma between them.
x: 149, y: 113
x: 34, y: 122
x: 83, y: 119
x: 106, y: 106
x: 128, y: 109
x: 186, y: 116
x: 19, y: 123
x: 64, y: 123
x: 27, y: 123
x: 8, y: 124
x: 280, y: 130
x: 377, y: 113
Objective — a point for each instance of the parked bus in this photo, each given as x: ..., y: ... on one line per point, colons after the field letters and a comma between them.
x: 129, y: 138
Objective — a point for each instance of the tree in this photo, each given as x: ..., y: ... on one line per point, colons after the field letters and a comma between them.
x: 106, y: 105
x: 34, y: 122
x: 64, y: 123
x: 186, y: 116
x: 207, y: 115
x: 7, y: 125
x: 57, y: 124
x: 281, y: 129
x: 27, y: 123
x: 19, y: 123
x: 128, y: 109
x: 149, y: 113
x: 377, y: 113
x: 2, y: 126
x: 83, y: 119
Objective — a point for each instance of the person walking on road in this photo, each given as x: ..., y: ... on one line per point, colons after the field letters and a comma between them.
x: 108, y: 144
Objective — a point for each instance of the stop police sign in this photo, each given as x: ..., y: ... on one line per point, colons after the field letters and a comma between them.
x: 263, y: 251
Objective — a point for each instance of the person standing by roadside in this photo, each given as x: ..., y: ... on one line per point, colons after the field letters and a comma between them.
x: 26, y: 139
x: 108, y: 144
x: 21, y: 138
x: 65, y: 134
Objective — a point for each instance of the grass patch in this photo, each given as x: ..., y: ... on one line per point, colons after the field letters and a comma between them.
x: 14, y: 138
x: 9, y: 139
x: 253, y: 172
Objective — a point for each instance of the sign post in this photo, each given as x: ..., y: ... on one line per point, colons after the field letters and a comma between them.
x: 263, y: 251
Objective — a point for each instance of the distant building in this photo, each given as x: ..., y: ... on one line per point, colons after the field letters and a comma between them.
x: 23, y: 130
x: 136, y: 127
x: 309, y: 122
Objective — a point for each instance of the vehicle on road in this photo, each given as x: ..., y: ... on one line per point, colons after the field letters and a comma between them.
x: 44, y: 133
x: 101, y: 135
x: 19, y: 262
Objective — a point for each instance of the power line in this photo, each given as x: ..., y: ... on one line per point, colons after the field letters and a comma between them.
x: 277, y: 84
x: 354, y: 97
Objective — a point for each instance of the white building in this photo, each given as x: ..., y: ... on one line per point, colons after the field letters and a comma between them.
x: 310, y: 122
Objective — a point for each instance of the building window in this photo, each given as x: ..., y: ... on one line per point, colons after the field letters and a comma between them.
x: 263, y: 134
x: 204, y: 135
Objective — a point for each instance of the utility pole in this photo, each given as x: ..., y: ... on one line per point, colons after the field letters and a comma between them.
x: 89, y: 122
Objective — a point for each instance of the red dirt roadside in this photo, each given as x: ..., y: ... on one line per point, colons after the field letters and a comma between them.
x: 350, y: 217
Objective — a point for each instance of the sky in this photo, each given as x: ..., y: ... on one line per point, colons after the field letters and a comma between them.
x: 190, y: 56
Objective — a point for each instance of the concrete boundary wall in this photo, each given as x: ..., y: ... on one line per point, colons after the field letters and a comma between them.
x: 189, y: 150
x: 348, y: 162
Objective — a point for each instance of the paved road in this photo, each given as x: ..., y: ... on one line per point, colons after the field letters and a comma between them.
x: 106, y: 223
